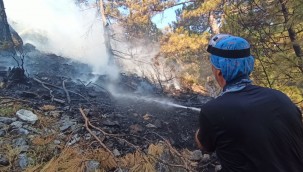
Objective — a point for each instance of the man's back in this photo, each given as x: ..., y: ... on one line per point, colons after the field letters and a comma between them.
x: 255, y: 129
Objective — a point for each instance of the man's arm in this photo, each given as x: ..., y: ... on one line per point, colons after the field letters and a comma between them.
x: 197, y: 140
x: 205, y: 136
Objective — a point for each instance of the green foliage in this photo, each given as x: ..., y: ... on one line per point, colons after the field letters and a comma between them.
x: 187, y: 42
x: 136, y: 16
x: 181, y: 42
x: 200, y: 8
x: 275, y: 37
x: 273, y: 27
x: 187, y: 50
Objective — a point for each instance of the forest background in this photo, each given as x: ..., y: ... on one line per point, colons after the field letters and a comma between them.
x: 174, y: 58
x: 273, y: 27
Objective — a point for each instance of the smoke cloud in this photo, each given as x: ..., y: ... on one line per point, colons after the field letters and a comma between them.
x: 63, y: 28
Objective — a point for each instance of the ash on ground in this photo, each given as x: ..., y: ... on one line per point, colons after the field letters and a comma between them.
x: 54, y: 89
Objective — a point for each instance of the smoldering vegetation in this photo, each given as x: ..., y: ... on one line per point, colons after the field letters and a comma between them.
x: 65, y: 105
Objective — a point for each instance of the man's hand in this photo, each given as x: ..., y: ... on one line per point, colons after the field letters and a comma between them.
x: 197, y: 140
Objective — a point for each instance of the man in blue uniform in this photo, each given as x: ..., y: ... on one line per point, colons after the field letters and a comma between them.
x: 251, y: 128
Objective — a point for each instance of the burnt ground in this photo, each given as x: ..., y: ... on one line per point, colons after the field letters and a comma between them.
x: 128, y: 109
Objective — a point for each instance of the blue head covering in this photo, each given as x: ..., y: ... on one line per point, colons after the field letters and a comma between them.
x: 236, y: 66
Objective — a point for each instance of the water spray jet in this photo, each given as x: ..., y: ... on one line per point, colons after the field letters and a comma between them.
x: 194, y: 109
x: 156, y: 100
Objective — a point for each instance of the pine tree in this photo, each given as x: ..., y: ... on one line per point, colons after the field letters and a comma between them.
x: 274, y: 29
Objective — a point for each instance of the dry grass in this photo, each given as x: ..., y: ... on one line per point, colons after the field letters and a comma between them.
x: 75, y: 160
x: 45, y: 156
x: 41, y: 149
x: 43, y: 140
x: 44, y: 121
x: 137, y: 162
x: 40, y: 154
x: 106, y: 159
x: 11, y: 154
x: 48, y: 108
x: 69, y: 160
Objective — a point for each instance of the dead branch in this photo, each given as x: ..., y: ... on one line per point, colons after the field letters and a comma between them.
x: 59, y: 100
x: 131, y: 59
x: 85, y: 85
x: 116, y: 136
x: 107, y: 92
x: 50, y: 90
x: 44, y: 83
x: 169, y: 164
x: 12, y: 100
x: 90, y: 131
x: 88, y: 83
x: 66, y: 92
x: 7, y: 102
x: 173, y: 150
x: 127, y: 142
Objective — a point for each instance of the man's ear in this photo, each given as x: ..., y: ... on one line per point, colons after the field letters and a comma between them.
x: 219, y: 77
x: 220, y: 73
x: 215, y: 71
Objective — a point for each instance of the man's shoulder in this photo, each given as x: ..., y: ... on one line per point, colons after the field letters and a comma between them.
x: 233, y: 99
x: 252, y: 89
x: 277, y: 94
x: 215, y: 105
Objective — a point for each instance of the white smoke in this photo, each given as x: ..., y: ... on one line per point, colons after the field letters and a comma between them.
x: 62, y: 28
x: 142, y: 57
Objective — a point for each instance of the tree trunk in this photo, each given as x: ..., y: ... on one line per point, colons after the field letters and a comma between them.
x: 106, y: 33
x: 213, y: 23
x: 292, y: 34
x: 6, y: 41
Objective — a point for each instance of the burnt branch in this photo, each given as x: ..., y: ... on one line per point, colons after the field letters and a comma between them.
x: 90, y: 131
x: 44, y: 83
x: 116, y: 136
x: 173, y: 150
x: 12, y: 100
x: 66, y: 92
x: 50, y: 90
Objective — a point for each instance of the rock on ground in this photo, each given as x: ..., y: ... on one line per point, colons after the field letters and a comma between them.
x: 27, y: 116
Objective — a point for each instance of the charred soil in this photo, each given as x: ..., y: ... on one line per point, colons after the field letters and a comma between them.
x: 88, y: 122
